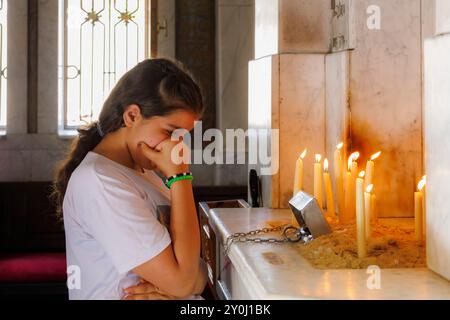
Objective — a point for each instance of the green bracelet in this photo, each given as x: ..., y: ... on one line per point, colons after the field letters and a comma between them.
x: 184, y: 177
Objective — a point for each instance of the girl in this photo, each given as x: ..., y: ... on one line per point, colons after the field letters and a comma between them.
x: 113, y: 238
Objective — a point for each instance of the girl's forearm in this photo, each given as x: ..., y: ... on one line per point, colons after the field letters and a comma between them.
x: 184, y: 229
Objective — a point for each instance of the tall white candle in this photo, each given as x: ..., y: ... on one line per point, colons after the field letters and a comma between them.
x: 360, y: 217
x: 328, y: 190
x: 318, y: 180
x: 424, y: 207
x: 368, y: 209
x: 418, y: 211
x: 373, y: 207
x: 350, y: 188
x: 298, y: 175
x: 370, y: 168
x: 338, y: 178
x: 298, y: 181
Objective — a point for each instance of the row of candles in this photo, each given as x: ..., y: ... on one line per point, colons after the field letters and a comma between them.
x: 357, y: 200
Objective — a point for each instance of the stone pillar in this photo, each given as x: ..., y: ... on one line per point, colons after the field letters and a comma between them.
x: 234, y: 48
x: 437, y: 133
x: 17, y: 67
x: 166, y: 36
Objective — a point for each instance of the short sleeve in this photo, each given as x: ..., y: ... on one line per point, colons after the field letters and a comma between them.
x: 123, y: 221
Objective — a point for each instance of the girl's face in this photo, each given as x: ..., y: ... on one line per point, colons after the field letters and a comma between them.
x: 155, y: 130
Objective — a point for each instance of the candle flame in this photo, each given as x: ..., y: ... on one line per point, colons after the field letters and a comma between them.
x: 353, y: 157
x: 421, y: 184
x: 362, y: 174
x: 339, y: 146
x: 318, y: 157
x: 369, y: 188
x: 424, y: 178
x: 303, y: 155
x: 325, y: 164
x: 375, y: 155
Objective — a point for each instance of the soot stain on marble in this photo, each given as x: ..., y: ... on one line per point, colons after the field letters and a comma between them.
x: 272, y: 258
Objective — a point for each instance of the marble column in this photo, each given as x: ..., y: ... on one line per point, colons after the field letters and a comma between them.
x: 437, y: 133
x: 166, y: 36
x: 235, y: 47
x: 295, y: 26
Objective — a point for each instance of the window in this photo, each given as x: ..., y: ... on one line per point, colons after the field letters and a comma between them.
x: 3, y: 62
x: 98, y: 42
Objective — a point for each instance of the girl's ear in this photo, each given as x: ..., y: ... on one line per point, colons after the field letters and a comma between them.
x: 131, y: 114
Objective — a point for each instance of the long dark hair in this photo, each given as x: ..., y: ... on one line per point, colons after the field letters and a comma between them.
x: 157, y: 86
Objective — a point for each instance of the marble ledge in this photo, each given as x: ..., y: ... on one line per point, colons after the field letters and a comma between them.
x: 34, y: 141
x: 292, y: 277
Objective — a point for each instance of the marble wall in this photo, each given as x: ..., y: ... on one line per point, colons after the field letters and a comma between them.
x: 372, y: 95
x: 302, y: 117
x: 386, y: 100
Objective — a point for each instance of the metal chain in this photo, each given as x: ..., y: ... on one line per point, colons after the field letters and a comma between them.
x: 244, y: 236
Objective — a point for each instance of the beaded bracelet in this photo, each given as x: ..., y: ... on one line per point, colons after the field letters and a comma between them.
x: 177, y: 177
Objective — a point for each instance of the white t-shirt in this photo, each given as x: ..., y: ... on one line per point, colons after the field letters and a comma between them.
x: 111, y: 226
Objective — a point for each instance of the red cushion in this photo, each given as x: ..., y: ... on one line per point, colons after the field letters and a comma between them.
x: 33, y: 267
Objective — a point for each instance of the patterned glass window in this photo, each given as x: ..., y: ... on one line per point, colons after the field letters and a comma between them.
x: 99, y: 40
x: 3, y: 61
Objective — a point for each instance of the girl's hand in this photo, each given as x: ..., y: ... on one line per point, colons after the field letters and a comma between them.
x: 146, y: 291
x: 166, y: 158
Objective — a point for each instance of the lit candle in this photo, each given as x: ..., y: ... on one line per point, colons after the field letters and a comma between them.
x: 298, y: 177
x: 373, y: 207
x: 329, y: 192
x: 424, y: 197
x: 418, y: 211
x: 344, y: 217
x: 349, y: 212
x: 298, y: 181
x: 370, y: 166
x: 338, y: 178
x: 368, y: 209
x: 318, y: 180
x: 360, y: 217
